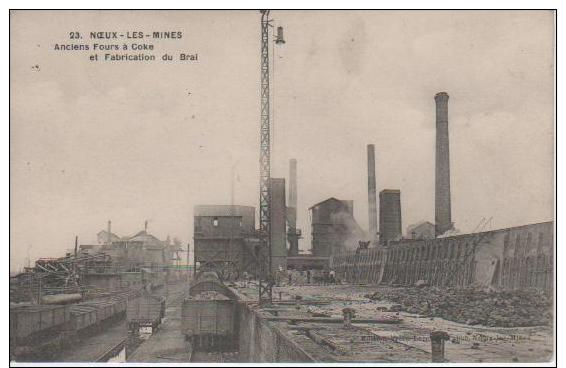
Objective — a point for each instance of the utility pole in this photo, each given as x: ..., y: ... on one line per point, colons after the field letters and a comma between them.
x: 188, y: 264
x: 265, y: 271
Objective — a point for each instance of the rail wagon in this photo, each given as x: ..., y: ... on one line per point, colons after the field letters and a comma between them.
x: 43, y: 329
x: 33, y: 321
x: 145, y: 312
x: 82, y: 317
x: 104, y: 309
x: 119, y: 304
x: 208, y: 314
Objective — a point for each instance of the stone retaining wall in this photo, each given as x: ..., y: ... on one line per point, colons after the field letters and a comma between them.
x: 512, y: 258
x: 262, y: 342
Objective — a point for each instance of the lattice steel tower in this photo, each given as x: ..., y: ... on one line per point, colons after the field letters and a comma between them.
x: 265, y: 279
x: 264, y: 254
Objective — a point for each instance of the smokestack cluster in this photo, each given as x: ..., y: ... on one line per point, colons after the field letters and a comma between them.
x: 442, y: 213
x: 389, y: 215
x: 372, y: 200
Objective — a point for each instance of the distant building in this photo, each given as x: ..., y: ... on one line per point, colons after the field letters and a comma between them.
x: 420, y: 230
x: 89, y: 248
x: 172, y: 250
x: 102, y: 237
x: 141, y: 250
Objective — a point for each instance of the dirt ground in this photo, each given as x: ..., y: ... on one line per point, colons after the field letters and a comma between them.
x: 468, y: 343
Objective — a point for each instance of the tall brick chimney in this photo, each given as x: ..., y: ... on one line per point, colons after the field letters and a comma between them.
x: 389, y: 215
x: 442, y: 212
x: 372, y: 201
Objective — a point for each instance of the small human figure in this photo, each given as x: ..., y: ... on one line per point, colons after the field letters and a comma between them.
x: 332, y: 277
x: 245, y: 276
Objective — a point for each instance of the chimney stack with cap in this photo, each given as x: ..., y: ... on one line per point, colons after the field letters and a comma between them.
x: 442, y: 215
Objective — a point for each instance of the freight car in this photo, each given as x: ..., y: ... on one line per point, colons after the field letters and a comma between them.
x: 145, y: 313
x: 208, y: 315
x: 83, y: 318
x: 107, y: 309
x: 31, y: 323
x: 36, y: 330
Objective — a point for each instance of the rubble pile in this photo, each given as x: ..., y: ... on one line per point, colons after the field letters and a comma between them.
x: 518, y: 308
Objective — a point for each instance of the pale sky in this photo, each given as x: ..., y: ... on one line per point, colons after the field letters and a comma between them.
x: 97, y: 141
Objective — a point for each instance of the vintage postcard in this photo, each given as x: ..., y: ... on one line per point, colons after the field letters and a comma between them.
x: 284, y: 186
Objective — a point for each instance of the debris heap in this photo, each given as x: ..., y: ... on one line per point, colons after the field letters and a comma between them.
x: 517, y: 308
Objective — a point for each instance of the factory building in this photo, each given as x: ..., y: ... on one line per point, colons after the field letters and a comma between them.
x: 421, y: 230
x: 225, y: 235
x: 220, y: 234
x: 141, y: 250
x: 132, y: 252
x: 334, y: 228
x: 104, y: 236
x: 389, y: 215
x: 278, y: 225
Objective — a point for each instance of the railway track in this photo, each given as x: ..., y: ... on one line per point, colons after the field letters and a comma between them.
x: 112, y: 351
x: 214, y: 357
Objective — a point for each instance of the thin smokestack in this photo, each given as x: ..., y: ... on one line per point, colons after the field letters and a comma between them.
x: 109, y: 232
x: 292, y: 209
x: 442, y: 215
x: 293, y: 183
x: 372, y: 200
